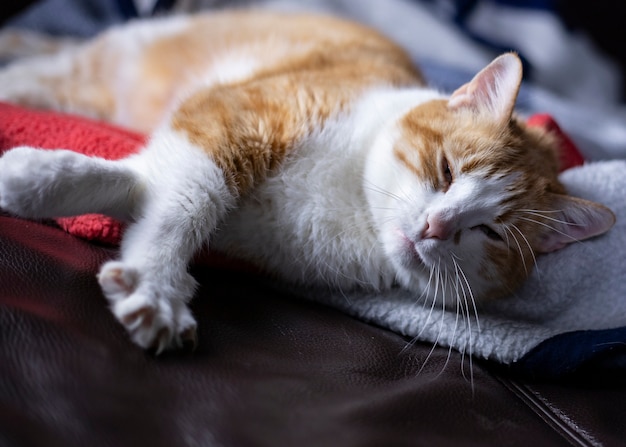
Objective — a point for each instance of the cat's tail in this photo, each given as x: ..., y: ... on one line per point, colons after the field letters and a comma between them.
x: 37, y: 183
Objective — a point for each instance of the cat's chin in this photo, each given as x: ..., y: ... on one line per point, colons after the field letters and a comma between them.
x: 412, y: 272
x: 408, y: 254
x: 425, y: 253
x: 431, y: 253
x: 428, y: 268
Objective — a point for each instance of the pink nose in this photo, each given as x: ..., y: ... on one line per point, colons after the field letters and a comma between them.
x: 437, y: 228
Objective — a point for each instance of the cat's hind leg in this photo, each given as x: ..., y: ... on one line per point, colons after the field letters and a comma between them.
x: 110, y: 77
x: 69, y: 81
x: 149, y: 286
x: 18, y: 43
x: 82, y: 78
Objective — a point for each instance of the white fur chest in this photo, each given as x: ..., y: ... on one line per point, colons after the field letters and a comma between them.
x: 310, y: 222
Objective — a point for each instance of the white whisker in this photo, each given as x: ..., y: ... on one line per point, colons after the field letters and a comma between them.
x: 525, y: 210
x: 519, y: 247
x: 551, y: 228
x: 372, y: 187
x: 471, y: 296
x: 552, y: 219
x: 467, y: 292
x: 441, y: 325
x: 530, y: 248
x: 434, y: 300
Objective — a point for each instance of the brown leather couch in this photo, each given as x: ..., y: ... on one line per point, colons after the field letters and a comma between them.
x: 269, y: 370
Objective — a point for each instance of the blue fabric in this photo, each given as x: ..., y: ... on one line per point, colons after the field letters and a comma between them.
x: 68, y: 17
x: 464, y: 7
x: 547, y: 5
x: 568, y: 354
x: 128, y: 9
x: 459, y: 13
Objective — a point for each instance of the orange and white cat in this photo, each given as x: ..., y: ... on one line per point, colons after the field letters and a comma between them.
x: 305, y: 144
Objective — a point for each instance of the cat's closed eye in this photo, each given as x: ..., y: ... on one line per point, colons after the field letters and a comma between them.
x: 488, y: 231
x: 447, y: 173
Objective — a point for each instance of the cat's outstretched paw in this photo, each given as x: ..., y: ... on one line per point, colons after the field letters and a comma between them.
x: 20, y: 181
x: 153, y: 319
x: 38, y: 183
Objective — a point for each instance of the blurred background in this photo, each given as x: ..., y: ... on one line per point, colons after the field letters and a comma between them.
x: 573, y: 51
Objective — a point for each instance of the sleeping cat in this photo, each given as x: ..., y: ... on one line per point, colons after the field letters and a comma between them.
x: 305, y: 144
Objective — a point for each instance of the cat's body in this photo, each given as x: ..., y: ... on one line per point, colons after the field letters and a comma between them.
x: 304, y: 144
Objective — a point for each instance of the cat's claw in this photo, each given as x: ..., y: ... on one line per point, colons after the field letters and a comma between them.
x: 153, y: 321
x: 117, y: 281
x: 189, y: 338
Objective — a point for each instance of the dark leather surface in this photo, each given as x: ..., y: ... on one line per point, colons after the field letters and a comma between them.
x: 269, y: 371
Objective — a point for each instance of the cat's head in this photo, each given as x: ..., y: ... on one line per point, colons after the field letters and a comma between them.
x: 467, y: 196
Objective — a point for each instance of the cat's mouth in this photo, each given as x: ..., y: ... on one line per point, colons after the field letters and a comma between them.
x: 431, y: 253
x: 420, y: 253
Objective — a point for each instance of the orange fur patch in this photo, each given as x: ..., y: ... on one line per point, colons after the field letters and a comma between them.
x: 249, y: 126
x: 303, y: 70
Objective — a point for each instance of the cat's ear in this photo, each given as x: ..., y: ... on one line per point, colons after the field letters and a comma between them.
x: 574, y: 220
x: 493, y: 91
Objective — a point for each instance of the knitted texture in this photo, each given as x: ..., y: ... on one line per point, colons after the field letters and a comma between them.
x: 569, y: 155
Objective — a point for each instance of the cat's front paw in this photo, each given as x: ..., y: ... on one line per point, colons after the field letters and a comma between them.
x: 30, y: 183
x: 153, y: 319
x: 18, y: 181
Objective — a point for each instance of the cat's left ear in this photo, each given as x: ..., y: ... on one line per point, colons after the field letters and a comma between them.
x: 493, y: 91
x: 574, y: 220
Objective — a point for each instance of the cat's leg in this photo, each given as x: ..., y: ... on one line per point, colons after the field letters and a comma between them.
x: 149, y: 286
x: 37, y: 183
x: 64, y: 81
x: 110, y: 77
x: 17, y: 43
x: 175, y: 193
x: 90, y: 78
